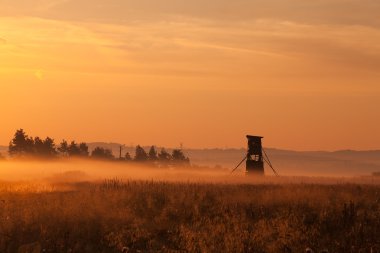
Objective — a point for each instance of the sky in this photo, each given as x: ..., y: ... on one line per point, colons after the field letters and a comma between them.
x: 204, y: 73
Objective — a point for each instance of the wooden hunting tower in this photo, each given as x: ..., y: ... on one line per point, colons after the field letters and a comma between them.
x: 255, y: 160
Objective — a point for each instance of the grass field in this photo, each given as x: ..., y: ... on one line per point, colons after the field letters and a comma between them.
x: 148, y: 216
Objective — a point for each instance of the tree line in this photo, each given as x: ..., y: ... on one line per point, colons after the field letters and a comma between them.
x: 24, y: 146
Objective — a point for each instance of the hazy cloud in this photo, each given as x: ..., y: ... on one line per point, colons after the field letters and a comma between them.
x: 247, y: 39
x: 339, y: 12
x: 199, y: 46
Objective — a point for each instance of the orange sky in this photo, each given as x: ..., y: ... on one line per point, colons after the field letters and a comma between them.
x: 304, y: 74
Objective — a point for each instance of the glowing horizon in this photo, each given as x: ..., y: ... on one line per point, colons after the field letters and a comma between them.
x: 202, y: 73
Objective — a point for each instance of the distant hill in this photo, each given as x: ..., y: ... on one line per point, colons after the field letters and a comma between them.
x: 341, y: 163
x: 286, y: 162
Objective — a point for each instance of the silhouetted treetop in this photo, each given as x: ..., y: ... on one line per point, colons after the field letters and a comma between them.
x: 83, y: 149
x: 152, y: 155
x: 80, y: 150
x: 102, y: 153
x: 179, y: 157
x: 128, y: 157
x: 164, y: 156
x: 73, y: 149
x: 64, y: 148
x: 140, y: 155
x: 44, y: 148
x: 21, y: 144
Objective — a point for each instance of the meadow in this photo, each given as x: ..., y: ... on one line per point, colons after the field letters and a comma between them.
x: 115, y: 215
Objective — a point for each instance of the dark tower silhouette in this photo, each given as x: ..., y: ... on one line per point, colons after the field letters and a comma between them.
x: 255, y: 160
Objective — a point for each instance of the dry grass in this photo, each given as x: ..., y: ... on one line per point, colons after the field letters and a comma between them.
x: 138, y: 216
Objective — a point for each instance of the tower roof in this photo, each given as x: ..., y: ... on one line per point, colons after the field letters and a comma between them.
x: 252, y: 137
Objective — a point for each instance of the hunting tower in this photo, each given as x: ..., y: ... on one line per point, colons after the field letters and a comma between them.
x: 255, y: 160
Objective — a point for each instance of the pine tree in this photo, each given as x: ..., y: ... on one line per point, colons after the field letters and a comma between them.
x: 141, y: 155
x: 164, y: 156
x: 21, y: 144
x: 64, y: 148
x: 73, y: 149
x: 83, y: 148
x: 179, y: 157
x: 152, y: 155
x: 128, y: 157
x: 102, y: 153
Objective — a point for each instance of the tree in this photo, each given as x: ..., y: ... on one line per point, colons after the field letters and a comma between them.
x: 44, y: 148
x: 179, y: 157
x: 140, y: 155
x: 64, y: 148
x: 102, y: 153
x: 49, y: 147
x: 164, y: 156
x: 21, y: 144
x: 83, y: 149
x: 152, y: 155
x: 38, y: 146
x: 128, y: 157
x: 73, y: 149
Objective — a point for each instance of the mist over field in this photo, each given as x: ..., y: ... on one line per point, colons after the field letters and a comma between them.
x: 85, y: 170
x: 78, y: 171
x: 85, y: 205
x: 208, y: 164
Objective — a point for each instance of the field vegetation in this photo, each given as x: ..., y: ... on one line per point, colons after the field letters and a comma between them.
x: 152, y: 216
